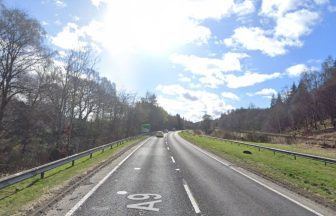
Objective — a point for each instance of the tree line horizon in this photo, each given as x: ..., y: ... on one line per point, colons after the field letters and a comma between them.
x: 305, y: 107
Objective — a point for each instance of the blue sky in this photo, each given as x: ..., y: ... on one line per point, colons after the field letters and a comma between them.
x: 198, y: 56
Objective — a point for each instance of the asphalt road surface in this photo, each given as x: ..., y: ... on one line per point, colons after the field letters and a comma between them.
x: 169, y: 176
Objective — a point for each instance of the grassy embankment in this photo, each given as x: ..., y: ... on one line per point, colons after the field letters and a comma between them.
x: 302, y: 148
x: 21, y: 196
x: 307, y: 176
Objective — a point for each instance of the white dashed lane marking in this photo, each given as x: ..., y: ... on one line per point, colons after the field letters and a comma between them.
x: 80, y: 203
x: 172, y: 159
x: 191, y: 197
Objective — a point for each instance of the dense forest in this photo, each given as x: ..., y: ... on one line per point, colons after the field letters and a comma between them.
x: 307, y: 106
x: 53, y: 104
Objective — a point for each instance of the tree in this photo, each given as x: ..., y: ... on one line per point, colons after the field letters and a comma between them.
x: 206, y: 123
x: 21, y: 49
x: 179, y: 122
x: 327, y: 91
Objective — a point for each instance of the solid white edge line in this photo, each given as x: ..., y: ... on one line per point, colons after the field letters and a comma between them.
x: 262, y: 184
x: 191, y: 197
x: 69, y: 213
x: 172, y: 159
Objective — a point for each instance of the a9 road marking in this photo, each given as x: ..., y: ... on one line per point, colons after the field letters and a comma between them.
x: 149, y: 206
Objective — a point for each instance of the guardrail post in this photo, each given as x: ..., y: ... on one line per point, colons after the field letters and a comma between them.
x: 90, y: 155
x: 73, y: 163
x: 111, y: 146
x: 325, y: 163
x: 102, y: 150
x: 42, y: 175
x: 274, y: 152
x: 294, y: 157
x: 259, y: 148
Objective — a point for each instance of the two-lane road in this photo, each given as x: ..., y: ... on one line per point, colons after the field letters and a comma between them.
x: 169, y: 176
x: 146, y: 184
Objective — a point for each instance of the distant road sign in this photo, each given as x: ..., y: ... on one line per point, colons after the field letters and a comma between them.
x: 145, y: 128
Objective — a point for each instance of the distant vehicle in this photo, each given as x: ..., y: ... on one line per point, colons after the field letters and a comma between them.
x: 166, y: 130
x: 159, y: 134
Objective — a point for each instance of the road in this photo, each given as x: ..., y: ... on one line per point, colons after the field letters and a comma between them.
x: 169, y: 176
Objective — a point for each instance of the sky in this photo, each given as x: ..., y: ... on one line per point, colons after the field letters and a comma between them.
x: 197, y: 56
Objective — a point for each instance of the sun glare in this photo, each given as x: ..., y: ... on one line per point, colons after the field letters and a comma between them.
x: 149, y: 25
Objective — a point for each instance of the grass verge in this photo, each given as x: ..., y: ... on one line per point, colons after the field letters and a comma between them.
x: 308, y: 177
x: 302, y: 148
x: 15, y: 199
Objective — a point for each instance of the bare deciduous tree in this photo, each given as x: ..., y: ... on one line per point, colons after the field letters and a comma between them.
x: 21, y: 48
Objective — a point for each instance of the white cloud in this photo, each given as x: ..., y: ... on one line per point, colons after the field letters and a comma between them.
x: 230, y: 95
x: 287, y: 33
x: 160, y: 25
x: 76, y: 18
x: 191, y: 104
x: 212, y: 80
x: 92, y: 30
x: 266, y: 93
x: 213, y: 72
x: 97, y: 3
x: 276, y: 8
x: 210, y: 70
x: 255, y: 38
x: 60, y: 3
x: 296, y: 24
x: 203, y: 9
x: 73, y: 36
x: 195, y: 85
x: 246, y: 7
x: 69, y: 38
x: 296, y: 70
x: 203, y: 65
x: 183, y: 78
x: 213, y: 9
x: 290, y: 20
x: 248, y: 79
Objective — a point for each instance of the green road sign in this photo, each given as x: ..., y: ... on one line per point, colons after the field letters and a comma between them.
x: 145, y: 128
